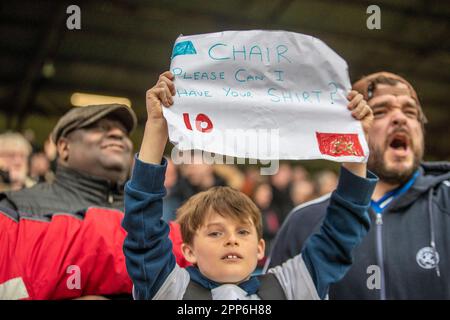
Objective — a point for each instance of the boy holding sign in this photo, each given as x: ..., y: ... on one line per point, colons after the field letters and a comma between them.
x: 221, y: 228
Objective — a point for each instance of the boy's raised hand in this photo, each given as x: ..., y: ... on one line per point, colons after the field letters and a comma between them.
x: 360, y: 111
x: 156, y: 132
x: 160, y: 94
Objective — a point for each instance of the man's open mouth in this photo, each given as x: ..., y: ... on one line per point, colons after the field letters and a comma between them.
x: 399, y: 141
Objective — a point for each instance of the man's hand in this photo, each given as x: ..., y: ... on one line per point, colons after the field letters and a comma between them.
x: 360, y: 111
x: 156, y: 133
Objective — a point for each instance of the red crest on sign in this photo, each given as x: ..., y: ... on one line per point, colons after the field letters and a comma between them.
x: 339, y: 144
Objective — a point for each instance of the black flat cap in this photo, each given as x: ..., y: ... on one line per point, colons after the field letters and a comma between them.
x: 80, y: 117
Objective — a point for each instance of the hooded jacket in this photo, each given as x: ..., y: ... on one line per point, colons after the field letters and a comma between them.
x: 404, y: 256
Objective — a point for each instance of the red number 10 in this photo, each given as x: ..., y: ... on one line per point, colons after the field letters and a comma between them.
x: 199, y: 120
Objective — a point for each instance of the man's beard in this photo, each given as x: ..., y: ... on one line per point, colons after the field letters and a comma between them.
x: 392, y: 176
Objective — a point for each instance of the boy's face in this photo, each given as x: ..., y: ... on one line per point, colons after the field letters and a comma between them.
x: 225, y: 250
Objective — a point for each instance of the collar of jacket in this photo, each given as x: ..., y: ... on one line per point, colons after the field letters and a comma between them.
x: 92, y: 187
x: 430, y: 175
x: 250, y: 286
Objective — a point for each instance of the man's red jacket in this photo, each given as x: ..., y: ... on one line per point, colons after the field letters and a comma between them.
x: 67, y: 255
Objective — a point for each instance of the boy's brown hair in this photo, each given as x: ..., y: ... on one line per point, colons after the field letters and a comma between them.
x: 225, y: 201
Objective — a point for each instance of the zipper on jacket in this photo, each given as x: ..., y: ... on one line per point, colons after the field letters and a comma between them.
x: 432, y: 233
x: 379, y: 249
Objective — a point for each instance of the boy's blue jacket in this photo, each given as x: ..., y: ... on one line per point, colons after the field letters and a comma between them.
x: 325, y: 259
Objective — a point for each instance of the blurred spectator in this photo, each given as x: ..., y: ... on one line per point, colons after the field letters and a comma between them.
x: 299, y: 173
x: 40, y: 168
x: 262, y: 197
x: 302, y: 191
x: 30, y: 136
x: 281, y: 186
x: 51, y: 152
x: 196, y: 177
x: 231, y: 174
x: 173, y: 199
x: 50, y: 149
x: 14, y: 153
x: 200, y: 176
x: 252, y: 177
x: 326, y: 182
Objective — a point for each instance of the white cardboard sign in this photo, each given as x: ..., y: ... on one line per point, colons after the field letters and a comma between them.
x: 262, y: 95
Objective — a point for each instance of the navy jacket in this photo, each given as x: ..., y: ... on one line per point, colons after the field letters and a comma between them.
x: 408, y: 266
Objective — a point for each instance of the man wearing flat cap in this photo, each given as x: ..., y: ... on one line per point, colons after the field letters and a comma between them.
x: 63, y: 240
x: 94, y: 160
x: 406, y: 254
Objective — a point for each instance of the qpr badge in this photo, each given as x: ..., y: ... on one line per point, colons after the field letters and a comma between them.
x: 427, y: 258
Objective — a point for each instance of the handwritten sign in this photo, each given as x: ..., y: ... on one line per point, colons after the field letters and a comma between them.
x: 262, y: 95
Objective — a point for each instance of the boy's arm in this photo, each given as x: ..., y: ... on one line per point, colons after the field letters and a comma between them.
x: 147, y: 247
x: 328, y: 254
x: 156, y: 133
